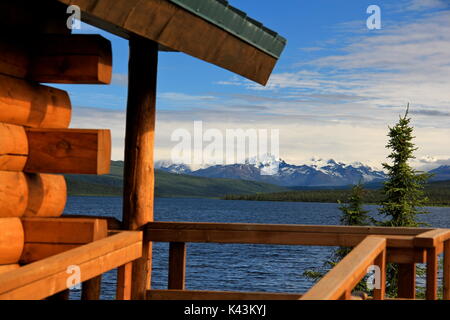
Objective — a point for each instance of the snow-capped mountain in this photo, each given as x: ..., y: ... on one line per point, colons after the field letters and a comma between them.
x: 317, y: 172
x: 171, y: 167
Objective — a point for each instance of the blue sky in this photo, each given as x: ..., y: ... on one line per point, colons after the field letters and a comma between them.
x: 334, y: 92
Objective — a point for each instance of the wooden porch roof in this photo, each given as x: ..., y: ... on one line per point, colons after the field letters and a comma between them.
x: 210, y: 30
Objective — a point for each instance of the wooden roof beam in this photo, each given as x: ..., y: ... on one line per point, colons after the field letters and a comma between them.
x: 174, y: 27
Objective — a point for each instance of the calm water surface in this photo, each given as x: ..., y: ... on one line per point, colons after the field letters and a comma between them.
x: 232, y: 267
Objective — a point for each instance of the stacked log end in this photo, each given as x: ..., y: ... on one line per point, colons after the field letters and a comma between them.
x: 11, y: 243
x: 36, y: 146
x: 35, y: 105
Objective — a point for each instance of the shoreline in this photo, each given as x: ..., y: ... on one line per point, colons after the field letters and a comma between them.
x: 432, y: 205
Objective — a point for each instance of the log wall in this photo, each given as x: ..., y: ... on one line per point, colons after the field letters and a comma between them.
x: 35, y: 139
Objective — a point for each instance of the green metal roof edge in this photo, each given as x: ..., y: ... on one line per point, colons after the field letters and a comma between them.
x: 236, y: 22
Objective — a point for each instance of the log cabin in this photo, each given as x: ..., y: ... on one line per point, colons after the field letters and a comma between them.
x: 38, y: 244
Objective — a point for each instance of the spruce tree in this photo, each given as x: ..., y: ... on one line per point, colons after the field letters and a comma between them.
x: 404, y: 189
x: 353, y: 214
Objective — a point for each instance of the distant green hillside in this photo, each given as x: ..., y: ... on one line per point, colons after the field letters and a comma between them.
x: 167, y: 185
x: 437, y: 192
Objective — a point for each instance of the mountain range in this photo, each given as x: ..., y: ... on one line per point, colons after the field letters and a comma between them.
x: 166, y: 185
x: 315, y: 173
x: 244, y: 179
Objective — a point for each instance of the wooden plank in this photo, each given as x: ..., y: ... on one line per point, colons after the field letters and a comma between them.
x: 165, y: 23
x: 11, y: 240
x: 55, y: 283
x: 348, y: 272
x: 39, y: 150
x: 432, y: 274
x: 31, y: 195
x: 54, y: 58
x: 218, y: 295
x: 269, y: 237
x: 139, y: 143
x: 75, y: 59
x: 33, y: 252
x: 9, y: 267
x: 46, y: 237
x: 113, y: 223
x: 407, y: 281
x: 380, y: 261
x: 124, y: 278
x: 47, y: 277
x: 432, y: 238
x: 32, y: 105
x: 406, y: 255
x: 366, y: 230
x: 446, y: 271
x: 64, y: 231
x: 78, y: 151
x: 177, y: 266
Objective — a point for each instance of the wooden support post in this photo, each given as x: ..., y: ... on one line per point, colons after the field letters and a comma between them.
x: 139, y: 143
x: 446, y: 280
x: 91, y: 289
x: 177, y: 266
x: 124, y: 275
x: 432, y: 274
x: 380, y: 261
x: 407, y: 280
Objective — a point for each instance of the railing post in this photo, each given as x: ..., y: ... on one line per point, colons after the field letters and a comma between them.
x: 91, y: 289
x: 177, y: 265
x: 432, y: 274
x: 407, y: 280
x: 380, y: 261
x: 124, y: 275
x: 446, y: 280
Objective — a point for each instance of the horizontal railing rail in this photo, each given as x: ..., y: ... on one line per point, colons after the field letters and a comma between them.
x: 404, y: 246
x: 339, y: 282
x: 276, y: 234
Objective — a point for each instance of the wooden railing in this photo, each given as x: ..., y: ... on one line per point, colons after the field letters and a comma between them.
x: 44, y: 278
x: 373, y: 246
x: 341, y: 280
x: 52, y: 245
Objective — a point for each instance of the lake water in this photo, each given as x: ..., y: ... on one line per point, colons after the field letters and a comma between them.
x: 232, y: 267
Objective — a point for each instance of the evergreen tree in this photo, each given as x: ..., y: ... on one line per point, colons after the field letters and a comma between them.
x: 404, y: 190
x: 353, y: 214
